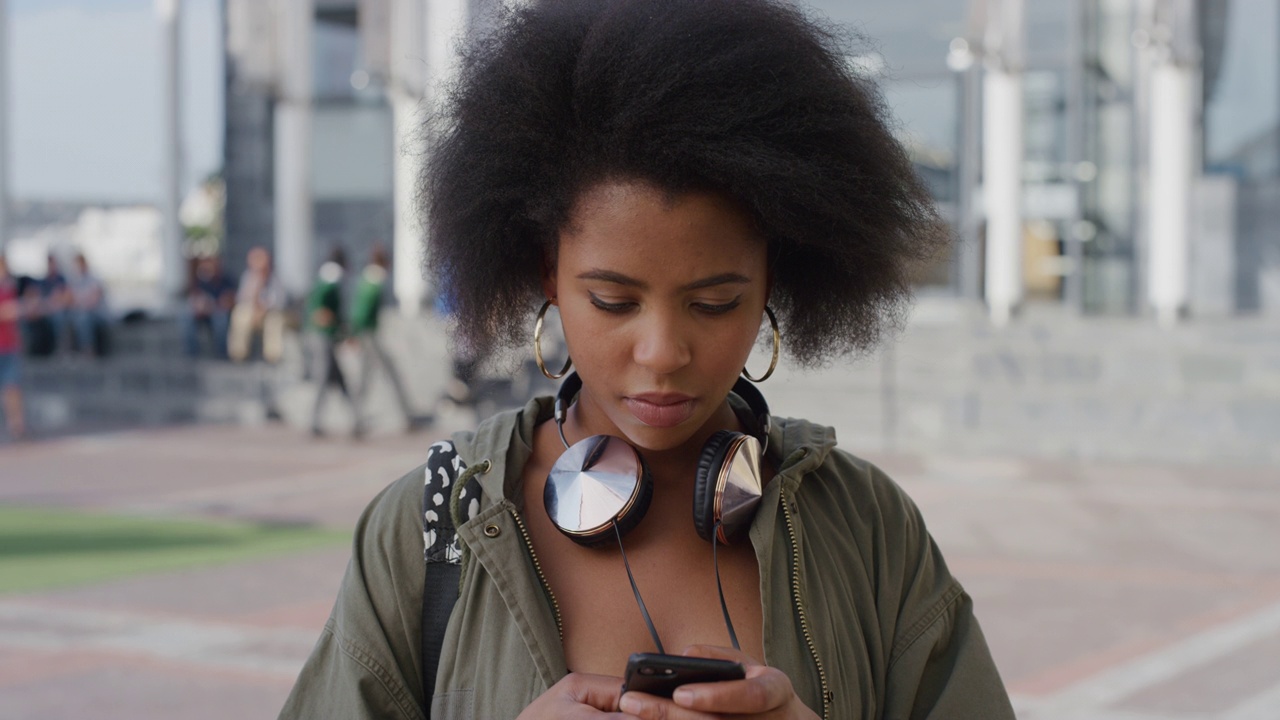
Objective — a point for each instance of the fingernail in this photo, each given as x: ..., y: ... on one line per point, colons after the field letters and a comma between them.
x: 683, y: 696
x: 630, y: 705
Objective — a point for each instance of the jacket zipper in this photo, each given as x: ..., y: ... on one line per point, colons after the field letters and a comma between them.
x: 804, y: 618
x: 537, y: 566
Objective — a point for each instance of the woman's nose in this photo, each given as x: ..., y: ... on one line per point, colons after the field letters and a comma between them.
x: 662, y: 346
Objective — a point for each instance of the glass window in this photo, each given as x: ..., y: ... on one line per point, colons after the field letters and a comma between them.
x: 1242, y: 88
x: 336, y: 52
x: 912, y: 37
x: 1048, y: 32
x: 927, y: 125
x: 1044, y: 98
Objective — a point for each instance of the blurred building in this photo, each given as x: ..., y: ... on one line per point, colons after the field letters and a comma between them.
x: 1092, y: 162
x: 1107, y: 156
x: 322, y: 97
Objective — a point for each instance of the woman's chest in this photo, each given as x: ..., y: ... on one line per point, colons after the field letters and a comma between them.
x: 602, y: 621
x: 675, y: 577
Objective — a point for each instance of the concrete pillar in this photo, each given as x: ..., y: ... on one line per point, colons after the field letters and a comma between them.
x: 294, y: 251
x: 409, y: 282
x: 1172, y: 161
x: 415, y: 87
x: 173, y: 275
x: 962, y: 58
x: 405, y: 90
x: 446, y: 21
x: 4, y: 124
x: 1002, y: 158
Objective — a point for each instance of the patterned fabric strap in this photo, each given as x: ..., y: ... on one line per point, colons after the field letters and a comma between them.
x: 444, y: 467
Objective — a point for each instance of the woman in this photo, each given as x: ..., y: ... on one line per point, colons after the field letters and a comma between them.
x: 670, y: 176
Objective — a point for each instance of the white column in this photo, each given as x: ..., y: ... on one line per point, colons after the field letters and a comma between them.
x: 173, y: 276
x: 294, y: 239
x: 408, y: 29
x: 1002, y: 158
x: 4, y: 124
x: 410, y: 284
x: 441, y: 24
x: 1169, y: 203
x: 446, y: 21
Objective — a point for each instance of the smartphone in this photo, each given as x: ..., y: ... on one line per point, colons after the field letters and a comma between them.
x: 660, y: 675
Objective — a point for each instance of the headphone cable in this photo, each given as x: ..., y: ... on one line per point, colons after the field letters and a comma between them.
x: 639, y: 600
x: 715, y: 560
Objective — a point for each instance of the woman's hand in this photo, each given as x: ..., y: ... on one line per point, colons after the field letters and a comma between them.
x: 579, y: 695
x: 765, y: 693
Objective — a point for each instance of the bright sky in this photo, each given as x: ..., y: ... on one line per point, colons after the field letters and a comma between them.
x: 85, y: 98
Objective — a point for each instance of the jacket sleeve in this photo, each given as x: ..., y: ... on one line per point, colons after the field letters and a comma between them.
x: 367, y: 661
x: 944, y: 670
x: 939, y: 666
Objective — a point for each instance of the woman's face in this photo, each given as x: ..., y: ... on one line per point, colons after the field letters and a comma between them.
x: 661, y: 299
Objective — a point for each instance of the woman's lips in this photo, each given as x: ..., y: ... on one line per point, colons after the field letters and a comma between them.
x: 660, y: 410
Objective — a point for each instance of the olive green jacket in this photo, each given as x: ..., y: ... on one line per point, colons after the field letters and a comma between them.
x: 859, y: 608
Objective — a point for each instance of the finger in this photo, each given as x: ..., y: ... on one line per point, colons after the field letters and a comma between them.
x: 764, y: 689
x: 720, y: 653
x: 599, y: 691
x: 649, y: 707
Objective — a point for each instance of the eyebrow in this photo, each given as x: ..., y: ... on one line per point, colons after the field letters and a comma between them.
x: 620, y: 279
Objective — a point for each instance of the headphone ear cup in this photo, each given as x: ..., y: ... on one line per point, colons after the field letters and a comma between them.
x: 629, y: 518
x: 704, y: 487
x: 597, y: 484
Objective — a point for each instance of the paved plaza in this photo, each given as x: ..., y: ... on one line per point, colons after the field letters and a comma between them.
x: 1108, y: 591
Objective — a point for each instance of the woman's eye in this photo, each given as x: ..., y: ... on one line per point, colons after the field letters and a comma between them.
x: 613, y: 307
x: 718, y: 308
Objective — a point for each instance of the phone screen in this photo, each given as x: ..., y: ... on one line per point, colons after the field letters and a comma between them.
x: 660, y: 675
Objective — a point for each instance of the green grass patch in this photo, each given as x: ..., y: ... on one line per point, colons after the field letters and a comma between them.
x: 42, y: 548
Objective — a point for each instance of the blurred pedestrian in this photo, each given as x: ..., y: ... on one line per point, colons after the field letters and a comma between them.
x: 325, y: 331
x: 210, y: 299
x: 259, y: 311
x: 366, y: 305
x: 44, y: 322
x: 86, y: 308
x: 11, y: 352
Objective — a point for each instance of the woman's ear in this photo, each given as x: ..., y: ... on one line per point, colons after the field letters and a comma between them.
x: 549, y: 286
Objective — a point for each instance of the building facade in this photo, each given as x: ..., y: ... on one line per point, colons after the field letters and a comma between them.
x: 1091, y: 142
x: 1109, y: 156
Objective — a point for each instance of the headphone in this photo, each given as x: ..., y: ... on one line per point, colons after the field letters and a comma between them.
x: 601, y: 487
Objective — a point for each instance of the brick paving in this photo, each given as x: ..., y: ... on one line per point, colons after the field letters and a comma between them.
x: 1108, y: 591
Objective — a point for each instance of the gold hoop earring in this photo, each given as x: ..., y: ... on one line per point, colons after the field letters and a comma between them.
x: 537, y: 346
x: 777, y: 342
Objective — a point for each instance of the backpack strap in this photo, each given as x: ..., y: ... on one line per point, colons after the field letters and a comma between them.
x: 441, y: 550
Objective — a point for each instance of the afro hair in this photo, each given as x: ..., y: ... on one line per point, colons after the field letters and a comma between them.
x: 748, y: 98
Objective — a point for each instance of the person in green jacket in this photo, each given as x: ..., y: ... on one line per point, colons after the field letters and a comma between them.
x: 366, y: 306
x: 326, y: 330
x: 683, y: 180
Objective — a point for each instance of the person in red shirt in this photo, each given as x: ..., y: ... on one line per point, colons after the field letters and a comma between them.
x: 11, y: 352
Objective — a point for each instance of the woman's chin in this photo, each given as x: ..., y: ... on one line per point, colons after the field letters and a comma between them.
x: 660, y: 439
